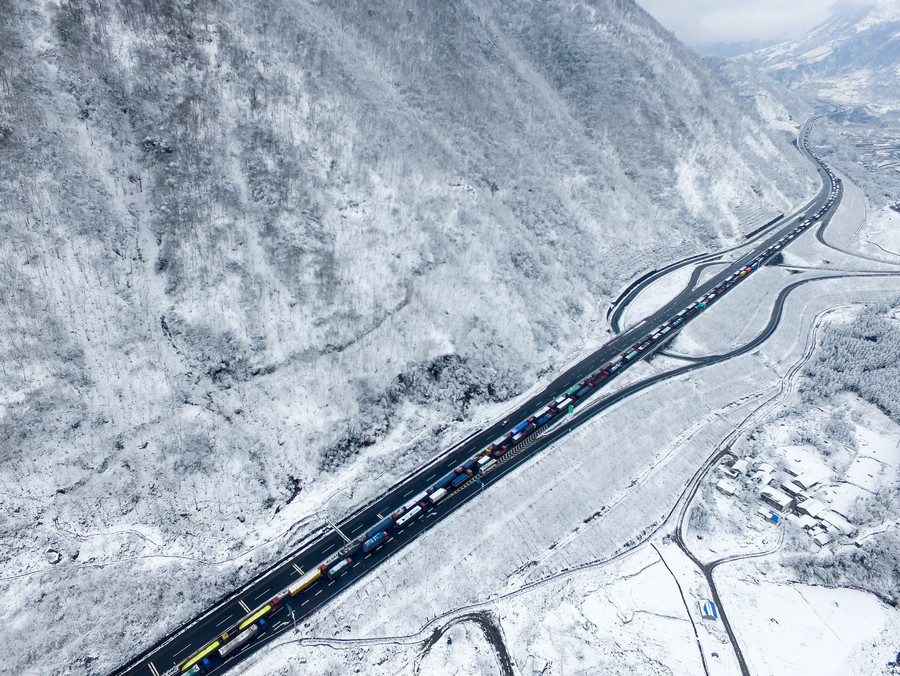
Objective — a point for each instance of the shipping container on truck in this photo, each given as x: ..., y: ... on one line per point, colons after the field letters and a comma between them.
x: 239, y: 641
x: 306, y: 580
x: 409, y: 516
x: 385, y: 524
x: 445, y: 481
x: 375, y: 541
x: 485, y: 464
x: 518, y: 428
x: 342, y: 567
x: 437, y: 496
x: 562, y: 403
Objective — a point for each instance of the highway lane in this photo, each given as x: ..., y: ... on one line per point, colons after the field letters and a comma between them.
x: 199, y: 632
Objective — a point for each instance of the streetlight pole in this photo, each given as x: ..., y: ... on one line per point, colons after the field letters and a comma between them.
x: 293, y: 617
x: 324, y: 512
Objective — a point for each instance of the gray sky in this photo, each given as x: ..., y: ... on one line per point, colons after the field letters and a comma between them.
x: 700, y: 22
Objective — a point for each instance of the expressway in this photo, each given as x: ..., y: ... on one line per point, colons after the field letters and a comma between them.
x: 170, y: 654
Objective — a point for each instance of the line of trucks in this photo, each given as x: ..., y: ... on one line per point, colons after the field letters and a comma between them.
x: 254, y: 623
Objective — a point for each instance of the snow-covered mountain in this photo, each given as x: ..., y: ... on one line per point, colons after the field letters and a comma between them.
x: 258, y: 254
x: 853, y: 58
x: 774, y: 102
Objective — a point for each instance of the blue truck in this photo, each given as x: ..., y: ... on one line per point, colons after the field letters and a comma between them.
x: 375, y: 541
x: 518, y: 428
x: 382, y: 525
x: 443, y: 483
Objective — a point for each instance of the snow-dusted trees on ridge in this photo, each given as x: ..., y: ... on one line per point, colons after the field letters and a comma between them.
x: 860, y: 357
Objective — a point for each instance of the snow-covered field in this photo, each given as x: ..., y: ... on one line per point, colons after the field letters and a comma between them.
x: 654, y: 296
x: 880, y: 235
x: 564, y: 558
x: 798, y: 629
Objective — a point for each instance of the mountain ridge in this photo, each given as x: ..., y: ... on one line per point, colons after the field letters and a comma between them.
x: 850, y: 58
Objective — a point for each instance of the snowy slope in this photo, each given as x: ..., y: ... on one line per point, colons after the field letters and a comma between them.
x: 774, y: 102
x: 257, y: 253
x: 854, y: 57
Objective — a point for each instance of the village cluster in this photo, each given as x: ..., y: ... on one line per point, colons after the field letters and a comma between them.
x: 788, y: 495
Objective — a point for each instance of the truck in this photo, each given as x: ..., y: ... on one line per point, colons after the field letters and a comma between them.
x: 342, y: 567
x: 375, y: 541
x: 596, y: 379
x: 382, y: 525
x: 498, y: 442
x: 306, y: 580
x: 562, y: 403
x: 437, y: 495
x: 411, y: 504
x: 518, y: 428
x: 445, y: 481
x: 239, y: 641
x: 537, y: 415
x: 409, y: 516
x: 485, y: 463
